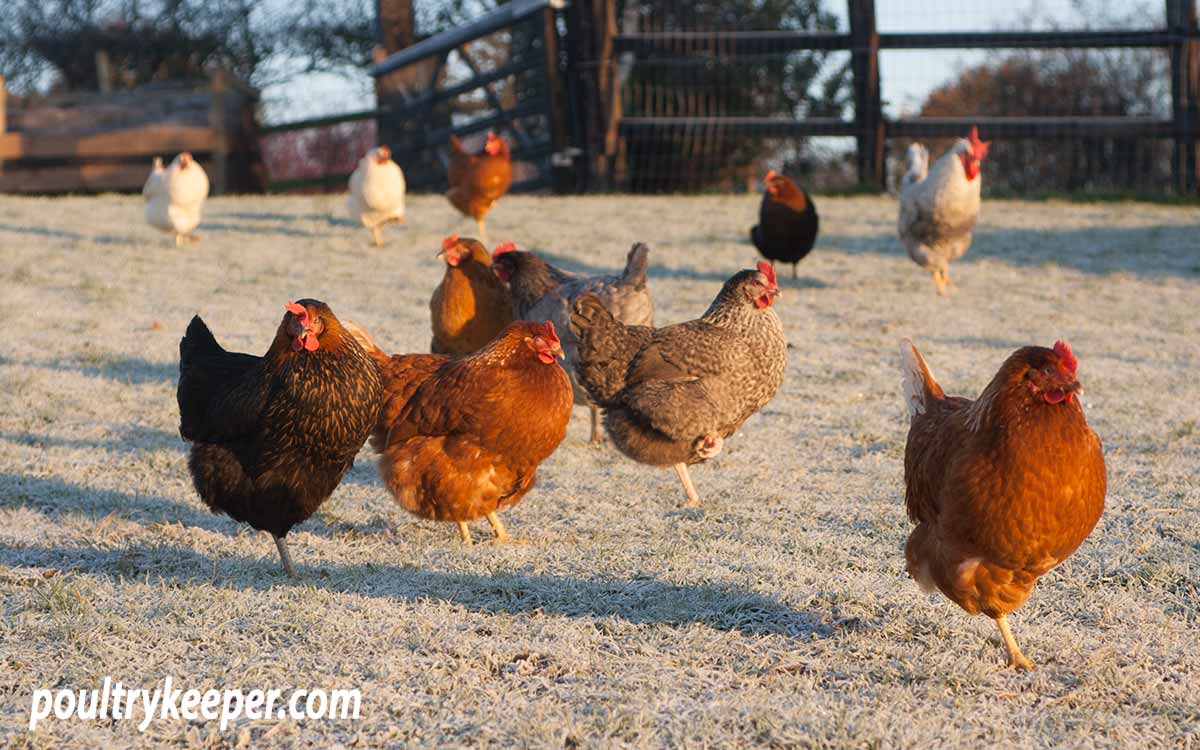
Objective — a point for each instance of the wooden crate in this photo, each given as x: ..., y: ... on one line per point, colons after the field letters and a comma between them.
x: 94, y: 142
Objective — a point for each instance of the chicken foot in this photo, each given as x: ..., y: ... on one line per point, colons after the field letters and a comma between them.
x: 1016, y: 659
x: 378, y: 235
x: 482, y: 232
x: 693, y: 499
x: 281, y: 545
x: 465, y: 532
x: 941, y: 279
x: 502, y: 536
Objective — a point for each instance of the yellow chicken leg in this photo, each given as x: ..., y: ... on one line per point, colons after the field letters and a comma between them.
x: 378, y: 236
x: 1016, y: 659
x: 693, y: 499
x: 465, y: 532
x: 502, y: 536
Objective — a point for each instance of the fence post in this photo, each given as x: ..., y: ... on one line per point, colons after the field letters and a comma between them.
x: 1185, y: 94
x: 868, y: 111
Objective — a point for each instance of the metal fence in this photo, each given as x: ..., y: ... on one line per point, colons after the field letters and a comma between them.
x: 687, y: 96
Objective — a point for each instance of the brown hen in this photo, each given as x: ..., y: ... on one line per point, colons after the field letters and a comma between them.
x: 462, y: 437
x: 471, y: 306
x: 1001, y: 489
x: 477, y: 181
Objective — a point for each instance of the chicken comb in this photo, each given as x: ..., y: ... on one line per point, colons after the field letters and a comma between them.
x: 1066, y: 356
x: 979, y: 148
x: 297, y: 309
x: 507, y: 247
x: 768, y: 270
x: 550, y: 334
x: 450, y: 242
x: 771, y: 174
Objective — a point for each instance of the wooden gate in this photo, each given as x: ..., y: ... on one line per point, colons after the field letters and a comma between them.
x: 499, y: 72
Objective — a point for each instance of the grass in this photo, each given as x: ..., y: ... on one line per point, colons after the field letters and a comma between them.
x: 778, y: 615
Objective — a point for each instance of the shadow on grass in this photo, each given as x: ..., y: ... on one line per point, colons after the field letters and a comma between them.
x: 640, y: 601
x: 62, y: 234
x: 121, y: 369
x: 1149, y: 252
x: 127, y: 439
x: 55, y: 497
x: 216, y: 227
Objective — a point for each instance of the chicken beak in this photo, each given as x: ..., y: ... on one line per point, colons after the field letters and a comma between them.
x: 558, y: 350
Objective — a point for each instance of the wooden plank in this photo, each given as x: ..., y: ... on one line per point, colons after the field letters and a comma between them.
x: 868, y: 109
x: 322, y: 122
x: 74, y: 178
x: 146, y: 141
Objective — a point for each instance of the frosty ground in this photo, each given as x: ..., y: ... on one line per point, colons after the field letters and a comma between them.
x: 778, y: 615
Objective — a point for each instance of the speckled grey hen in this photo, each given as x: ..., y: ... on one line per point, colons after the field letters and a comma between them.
x: 542, y: 292
x: 671, y: 396
x: 272, y: 435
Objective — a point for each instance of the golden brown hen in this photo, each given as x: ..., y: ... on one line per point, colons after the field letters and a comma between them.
x: 462, y: 437
x: 471, y: 306
x: 477, y: 181
x: 1001, y: 489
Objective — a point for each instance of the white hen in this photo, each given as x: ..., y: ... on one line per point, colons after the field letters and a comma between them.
x: 939, y: 205
x: 175, y: 195
x: 377, y: 192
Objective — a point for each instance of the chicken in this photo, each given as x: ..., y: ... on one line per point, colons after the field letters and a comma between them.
x: 939, y: 206
x: 671, y: 396
x: 272, y: 435
x: 377, y: 192
x: 1001, y: 489
x: 787, y: 222
x: 477, y: 181
x: 175, y: 196
x: 461, y: 438
x: 542, y: 292
x: 471, y: 306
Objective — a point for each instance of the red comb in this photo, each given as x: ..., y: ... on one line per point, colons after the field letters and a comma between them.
x: 771, y: 174
x: 979, y: 148
x: 450, y: 242
x: 297, y: 309
x: 551, y: 334
x: 507, y: 247
x: 1067, y: 357
x: 768, y: 270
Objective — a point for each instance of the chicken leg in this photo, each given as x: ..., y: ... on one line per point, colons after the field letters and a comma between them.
x: 502, y: 536
x: 693, y: 499
x: 482, y: 232
x: 597, y: 433
x: 281, y: 545
x: 378, y: 235
x: 465, y: 532
x: 1016, y: 659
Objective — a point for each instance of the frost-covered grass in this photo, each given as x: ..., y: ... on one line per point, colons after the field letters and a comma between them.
x: 778, y: 615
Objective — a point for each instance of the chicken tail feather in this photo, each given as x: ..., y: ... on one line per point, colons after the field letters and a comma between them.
x: 919, y: 386
x: 636, y: 265
x: 198, y: 340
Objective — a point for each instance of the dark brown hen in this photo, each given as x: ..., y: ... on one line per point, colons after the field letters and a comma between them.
x: 272, y: 435
x: 671, y: 396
